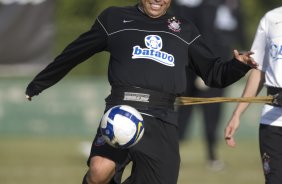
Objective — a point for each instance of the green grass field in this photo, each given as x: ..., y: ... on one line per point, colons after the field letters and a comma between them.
x: 28, y: 160
x: 41, y: 141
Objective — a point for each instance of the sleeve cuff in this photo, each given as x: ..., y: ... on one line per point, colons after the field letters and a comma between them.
x: 31, y: 90
x: 240, y: 65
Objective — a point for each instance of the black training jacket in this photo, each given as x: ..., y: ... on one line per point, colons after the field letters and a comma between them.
x: 152, y: 53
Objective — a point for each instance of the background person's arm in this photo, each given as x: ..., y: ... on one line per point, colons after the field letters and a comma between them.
x: 252, y: 88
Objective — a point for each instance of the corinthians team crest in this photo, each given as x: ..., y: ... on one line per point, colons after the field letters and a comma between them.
x: 174, y: 24
x: 153, y: 51
x: 266, y: 163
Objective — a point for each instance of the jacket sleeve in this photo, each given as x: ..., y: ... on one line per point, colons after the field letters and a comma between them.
x: 213, y: 70
x: 87, y: 44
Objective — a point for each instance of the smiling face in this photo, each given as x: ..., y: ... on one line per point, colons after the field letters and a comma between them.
x: 155, y: 8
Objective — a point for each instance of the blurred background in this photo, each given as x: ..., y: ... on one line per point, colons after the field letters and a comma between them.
x: 47, y: 140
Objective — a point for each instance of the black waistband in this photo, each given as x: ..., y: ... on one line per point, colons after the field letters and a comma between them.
x: 139, y: 98
x: 273, y: 90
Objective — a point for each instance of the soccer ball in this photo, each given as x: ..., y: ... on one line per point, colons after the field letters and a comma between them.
x: 122, y: 126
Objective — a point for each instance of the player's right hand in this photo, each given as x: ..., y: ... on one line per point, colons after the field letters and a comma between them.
x: 31, y: 91
x: 230, y: 130
x: 28, y: 97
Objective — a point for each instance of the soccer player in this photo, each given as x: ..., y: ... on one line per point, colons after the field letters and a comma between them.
x: 150, y: 50
x: 267, y: 46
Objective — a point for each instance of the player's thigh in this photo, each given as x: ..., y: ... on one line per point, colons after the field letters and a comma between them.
x: 271, y: 153
x: 156, y: 157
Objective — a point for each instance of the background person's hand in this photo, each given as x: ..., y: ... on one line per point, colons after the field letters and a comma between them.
x: 230, y: 130
x: 245, y: 58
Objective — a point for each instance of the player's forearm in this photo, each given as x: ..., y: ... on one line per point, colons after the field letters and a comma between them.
x: 213, y: 70
x: 79, y: 50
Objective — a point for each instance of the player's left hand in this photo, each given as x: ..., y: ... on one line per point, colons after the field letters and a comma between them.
x: 245, y: 58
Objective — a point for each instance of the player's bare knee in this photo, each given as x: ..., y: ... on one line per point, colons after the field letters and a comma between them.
x: 101, y: 170
x: 96, y: 178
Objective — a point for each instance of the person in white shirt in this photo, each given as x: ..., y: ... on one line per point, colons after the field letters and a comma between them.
x: 267, y: 47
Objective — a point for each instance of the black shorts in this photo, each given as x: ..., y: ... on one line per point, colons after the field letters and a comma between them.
x: 155, y: 159
x: 270, y: 138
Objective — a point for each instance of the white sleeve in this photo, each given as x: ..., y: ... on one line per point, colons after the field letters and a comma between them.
x: 259, y: 45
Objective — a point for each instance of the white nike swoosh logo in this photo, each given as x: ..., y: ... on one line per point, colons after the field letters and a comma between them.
x: 127, y: 21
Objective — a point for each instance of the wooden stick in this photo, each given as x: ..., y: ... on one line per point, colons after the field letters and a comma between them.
x: 196, y: 100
